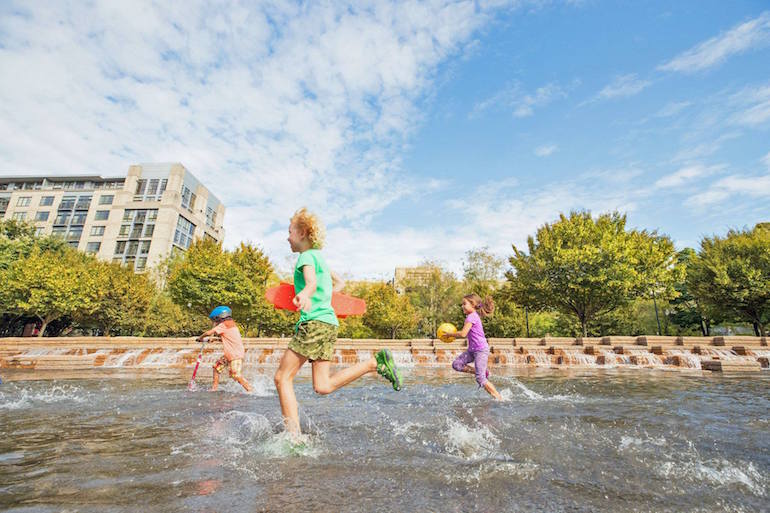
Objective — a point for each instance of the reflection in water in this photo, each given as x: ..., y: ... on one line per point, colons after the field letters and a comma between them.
x: 580, y: 441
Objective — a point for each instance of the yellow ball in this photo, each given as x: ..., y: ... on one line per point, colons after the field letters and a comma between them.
x: 445, y: 328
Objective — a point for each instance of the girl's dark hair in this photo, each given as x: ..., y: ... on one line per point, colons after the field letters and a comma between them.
x: 484, y: 307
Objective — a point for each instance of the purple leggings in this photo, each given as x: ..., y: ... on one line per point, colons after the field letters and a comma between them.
x: 479, y: 359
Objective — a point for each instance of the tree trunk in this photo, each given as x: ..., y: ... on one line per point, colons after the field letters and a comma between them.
x: 584, y: 325
x: 43, y: 326
x: 756, y: 328
x: 703, y: 328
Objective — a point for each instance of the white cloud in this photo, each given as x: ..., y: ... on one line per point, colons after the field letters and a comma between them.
x: 672, y: 109
x: 521, y: 103
x: 752, y: 105
x: 622, y: 86
x: 712, y: 52
x: 754, y: 187
x: 686, y: 175
x: 272, y: 106
x: 545, y: 150
x: 766, y: 160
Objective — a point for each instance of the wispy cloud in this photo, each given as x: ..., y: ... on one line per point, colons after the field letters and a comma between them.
x: 622, y: 86
x: 686, y: 176
x: 545, y: 150
x: 712, y: 52
x: 753, y: 187
x: 521, y: 103
x: 752, y: 105
x: 672, y: 109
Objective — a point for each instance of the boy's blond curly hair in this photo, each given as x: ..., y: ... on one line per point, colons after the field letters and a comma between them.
x: 311, y: 225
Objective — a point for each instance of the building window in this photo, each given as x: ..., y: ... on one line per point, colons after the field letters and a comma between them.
x: 141, y: 263
x: 106, y: 200
x: 46, y: 201
x: 4, y: 204
x: 20, y: 216
x: 67, y: 203
x: 184, y: 233
x: 120, y: 247
x: 78, y: 219
x: 74, y: 233
x: 84, y: 203
x: 23, y: 201
x: 150, y: 190
x: 42, y: 216
x: 97, y: 231
x: 211, y: 217
x: 40, y: 230
x: 59, y: 231
x: 102, y: 215
x: 93, y: 247
x: 188, y: 198
x: 62, y: 219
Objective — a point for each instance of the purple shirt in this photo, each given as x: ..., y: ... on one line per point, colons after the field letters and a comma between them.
x: 476, y: 339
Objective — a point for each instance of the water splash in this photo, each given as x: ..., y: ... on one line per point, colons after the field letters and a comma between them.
x: 468, y: 442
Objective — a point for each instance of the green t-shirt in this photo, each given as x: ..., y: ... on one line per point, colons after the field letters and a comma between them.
x: 321, y: 301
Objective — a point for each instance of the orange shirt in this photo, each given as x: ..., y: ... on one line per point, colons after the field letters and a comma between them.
x: 231, y: 339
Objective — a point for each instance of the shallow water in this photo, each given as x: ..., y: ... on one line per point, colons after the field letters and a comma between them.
x: 577, y: 441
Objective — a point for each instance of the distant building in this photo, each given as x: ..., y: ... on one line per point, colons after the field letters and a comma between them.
x: 137, y: 220
x: 420, y: 275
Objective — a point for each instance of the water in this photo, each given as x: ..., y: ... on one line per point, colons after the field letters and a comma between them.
x: 592, y: 440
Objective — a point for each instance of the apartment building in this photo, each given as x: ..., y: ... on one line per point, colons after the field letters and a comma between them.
x: 137, y: 220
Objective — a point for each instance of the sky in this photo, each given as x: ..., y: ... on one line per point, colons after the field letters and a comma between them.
x: 415, y: 130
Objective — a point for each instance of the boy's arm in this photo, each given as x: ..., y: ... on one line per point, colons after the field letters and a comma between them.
x: 302, y: 300
x: 337, y: 282
x: 463, y: 332
x: 207, y: 334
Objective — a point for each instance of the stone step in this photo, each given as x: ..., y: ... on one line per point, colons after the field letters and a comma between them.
x: 731, y: 366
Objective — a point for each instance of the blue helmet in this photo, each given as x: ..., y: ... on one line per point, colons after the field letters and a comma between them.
x: 220, y: 313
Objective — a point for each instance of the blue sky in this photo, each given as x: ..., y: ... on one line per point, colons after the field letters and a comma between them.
x: 417, y: 130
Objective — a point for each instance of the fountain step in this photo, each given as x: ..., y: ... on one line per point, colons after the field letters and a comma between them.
x: 731, y: 366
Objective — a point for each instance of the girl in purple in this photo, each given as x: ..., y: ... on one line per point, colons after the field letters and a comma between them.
x: 478, y: 348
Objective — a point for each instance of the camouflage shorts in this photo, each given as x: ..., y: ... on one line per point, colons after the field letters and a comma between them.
x: 314, y: 340
x: 236, y: 366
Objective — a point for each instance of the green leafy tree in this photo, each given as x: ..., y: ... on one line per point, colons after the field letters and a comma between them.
x: 205, y: 276
x: 589, y: 267
x: 167, y: 319
x: 436, y: 297
x: 688, y: 313
x: 123, y: 300
x: 732, y: 274
x: 388, y: 314
x: 51, y: 285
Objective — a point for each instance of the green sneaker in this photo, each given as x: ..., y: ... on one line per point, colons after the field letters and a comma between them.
x: 386, y: 367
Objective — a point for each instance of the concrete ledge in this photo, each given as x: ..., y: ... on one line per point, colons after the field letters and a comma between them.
x: 729, y: 366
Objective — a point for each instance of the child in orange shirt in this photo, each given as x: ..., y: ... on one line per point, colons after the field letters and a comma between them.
x: 228, y: 332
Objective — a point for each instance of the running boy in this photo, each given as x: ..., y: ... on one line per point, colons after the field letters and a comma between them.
x: 478, y: 348
x: 227, y: 330
x: 316, y: 332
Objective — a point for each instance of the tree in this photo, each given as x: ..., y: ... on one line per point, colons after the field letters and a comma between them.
x: 168, y: 319
x: 587, y: 268
x: 388, y: 315
x: 51, y: 285
x: 688, y: 311
x: 123, y: 300
x: 205, y: 276
x: 732, y: 275
x: 436, y: 297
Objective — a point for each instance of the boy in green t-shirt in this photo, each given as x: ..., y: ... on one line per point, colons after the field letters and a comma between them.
x: 316, y: 332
